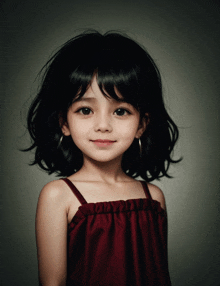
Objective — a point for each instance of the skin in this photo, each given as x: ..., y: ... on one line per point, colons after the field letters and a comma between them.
x: 100, y: 178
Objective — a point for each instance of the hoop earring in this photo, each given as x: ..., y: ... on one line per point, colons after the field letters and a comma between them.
x: 140, y: 146
x: 60, y: 141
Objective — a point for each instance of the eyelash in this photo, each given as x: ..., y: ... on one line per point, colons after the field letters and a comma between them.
x: 127, y: 112
x: 82, y: 109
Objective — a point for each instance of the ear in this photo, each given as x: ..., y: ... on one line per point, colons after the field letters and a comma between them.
x: 65, y: 129
x: 142, y: 126
x: 64, y: 126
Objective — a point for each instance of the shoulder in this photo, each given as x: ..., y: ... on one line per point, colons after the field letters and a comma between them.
x: 54, y: 203
x: 157, y: 194
x: 53, y: 190
x: 54, y: 193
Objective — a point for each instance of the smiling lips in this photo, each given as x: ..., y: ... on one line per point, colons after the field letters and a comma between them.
x: 103, y: 143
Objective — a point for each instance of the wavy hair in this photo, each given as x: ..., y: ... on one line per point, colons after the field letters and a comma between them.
x: 118, y: 62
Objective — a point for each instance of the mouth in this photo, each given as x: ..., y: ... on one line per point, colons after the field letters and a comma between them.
x: 103, y: 143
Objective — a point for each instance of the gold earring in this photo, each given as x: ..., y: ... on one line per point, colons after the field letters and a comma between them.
x: 60, y: 141
x: 140, y: 146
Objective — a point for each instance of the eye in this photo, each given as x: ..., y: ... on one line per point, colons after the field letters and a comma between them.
x: 84, y: 110
x: 121, y: 112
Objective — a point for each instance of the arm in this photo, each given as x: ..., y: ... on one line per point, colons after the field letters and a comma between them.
x: 51, y: 235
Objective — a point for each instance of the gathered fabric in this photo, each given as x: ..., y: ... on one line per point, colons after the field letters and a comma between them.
x: 118, y: 243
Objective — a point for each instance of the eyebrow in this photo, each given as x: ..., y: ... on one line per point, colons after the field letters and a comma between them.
x: 84, y: 99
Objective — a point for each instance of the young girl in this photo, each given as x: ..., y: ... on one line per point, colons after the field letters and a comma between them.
x: 99, y: 121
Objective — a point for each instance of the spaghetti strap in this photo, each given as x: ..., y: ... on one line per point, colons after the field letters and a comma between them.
x: 146, y: 190
x: 75, y: 191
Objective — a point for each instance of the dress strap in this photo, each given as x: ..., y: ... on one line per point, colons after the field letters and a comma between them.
x: 75, y: 191
x: 146, y: 190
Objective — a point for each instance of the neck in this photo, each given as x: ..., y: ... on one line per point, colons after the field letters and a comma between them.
x: 102, y: 171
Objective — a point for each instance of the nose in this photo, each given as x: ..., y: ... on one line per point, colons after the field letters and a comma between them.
x: 103, y: 123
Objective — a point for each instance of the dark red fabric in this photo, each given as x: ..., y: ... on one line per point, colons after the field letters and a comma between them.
x: 118, y: 243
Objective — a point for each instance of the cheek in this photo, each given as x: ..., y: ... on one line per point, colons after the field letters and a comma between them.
x: 78, y: 133
x: 129, y: 129
x: 77, y: 127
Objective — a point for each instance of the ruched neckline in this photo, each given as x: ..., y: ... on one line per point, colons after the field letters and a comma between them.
x: 116, y: 207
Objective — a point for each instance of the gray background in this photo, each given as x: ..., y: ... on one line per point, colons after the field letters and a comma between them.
x: 183, y: 38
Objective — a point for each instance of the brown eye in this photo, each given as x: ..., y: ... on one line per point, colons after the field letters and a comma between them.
x: 85, y: 110
x: 121, y: 112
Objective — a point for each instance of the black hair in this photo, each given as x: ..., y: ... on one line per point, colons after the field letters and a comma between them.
x: 118, y: 62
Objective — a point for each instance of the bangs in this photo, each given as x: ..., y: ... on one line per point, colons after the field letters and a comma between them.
x: 120, y: 86
x: 117, y: 75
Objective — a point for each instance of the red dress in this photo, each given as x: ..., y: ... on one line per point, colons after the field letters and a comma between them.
x: 118, y: 243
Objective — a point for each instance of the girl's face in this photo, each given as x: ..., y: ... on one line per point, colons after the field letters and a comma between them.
x: 101, y: 127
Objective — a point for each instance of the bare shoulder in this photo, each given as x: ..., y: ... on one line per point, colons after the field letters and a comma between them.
x: 54, y: 193
x: 157, y: 194
x: 54, y: 190
x: 56, y: 197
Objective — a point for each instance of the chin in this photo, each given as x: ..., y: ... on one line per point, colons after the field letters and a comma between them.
x: 103, y: 158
